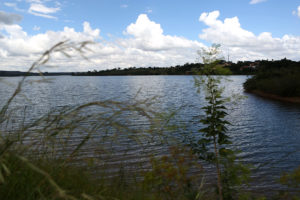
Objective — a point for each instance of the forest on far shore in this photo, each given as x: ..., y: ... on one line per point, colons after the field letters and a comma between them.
x: 230, y: 68
x: 239, y: 68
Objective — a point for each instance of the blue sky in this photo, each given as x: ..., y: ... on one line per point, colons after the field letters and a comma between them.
x: 156, y: 31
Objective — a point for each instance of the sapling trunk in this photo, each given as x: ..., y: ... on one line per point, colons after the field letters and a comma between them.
x: 218, y: 170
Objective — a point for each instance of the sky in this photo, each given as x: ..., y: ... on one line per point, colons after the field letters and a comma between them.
x: 142, y: 33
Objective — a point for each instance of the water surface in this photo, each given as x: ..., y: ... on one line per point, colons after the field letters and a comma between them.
x: 266, y: 131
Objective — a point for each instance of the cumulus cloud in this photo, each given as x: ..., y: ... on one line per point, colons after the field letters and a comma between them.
x: 20, y: 43
x: 149, y: 36
x: 245, y: 45
x: 9, y: 18
x: 18, y: 49
x: 256, y: 1
x: 145, y: 45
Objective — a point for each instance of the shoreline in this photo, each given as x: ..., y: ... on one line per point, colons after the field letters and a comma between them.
x: 275, y: 97
x: 118, y: 75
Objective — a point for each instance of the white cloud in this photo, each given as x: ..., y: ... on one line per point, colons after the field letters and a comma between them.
x: 256, y: 1
x: 37, y: 8
x: 36, y: 28
x: 245, y: 45
x: 149, y: 36
x: 8, y: 4
x: 34, y: 1
x: 42, y: 15
x: 18, y: 49
x: 14, y: 6
x: 42, y: 8
x: 297, y: 12
x: 57, y: 4
x: 89, y: 31
x: 144, y: 44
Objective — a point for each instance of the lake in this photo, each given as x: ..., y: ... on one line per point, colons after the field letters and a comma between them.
x: 266, y: 131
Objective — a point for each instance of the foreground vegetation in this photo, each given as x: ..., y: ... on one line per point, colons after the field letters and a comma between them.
x: 40, y: 159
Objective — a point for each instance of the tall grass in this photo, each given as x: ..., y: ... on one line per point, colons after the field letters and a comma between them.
x: 24, y: 149
x: 68, y: 152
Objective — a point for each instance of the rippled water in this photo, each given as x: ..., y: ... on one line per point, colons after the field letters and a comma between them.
x: 266, y: 131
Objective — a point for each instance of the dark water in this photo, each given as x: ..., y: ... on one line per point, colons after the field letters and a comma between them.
x: 266, y: 131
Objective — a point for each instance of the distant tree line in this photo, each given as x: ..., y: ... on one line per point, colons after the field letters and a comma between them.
x: 186, y: 69
x: 19, y: 73
x: 239, y: 68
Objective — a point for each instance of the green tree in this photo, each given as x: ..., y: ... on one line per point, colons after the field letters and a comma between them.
x: 213, y: 146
